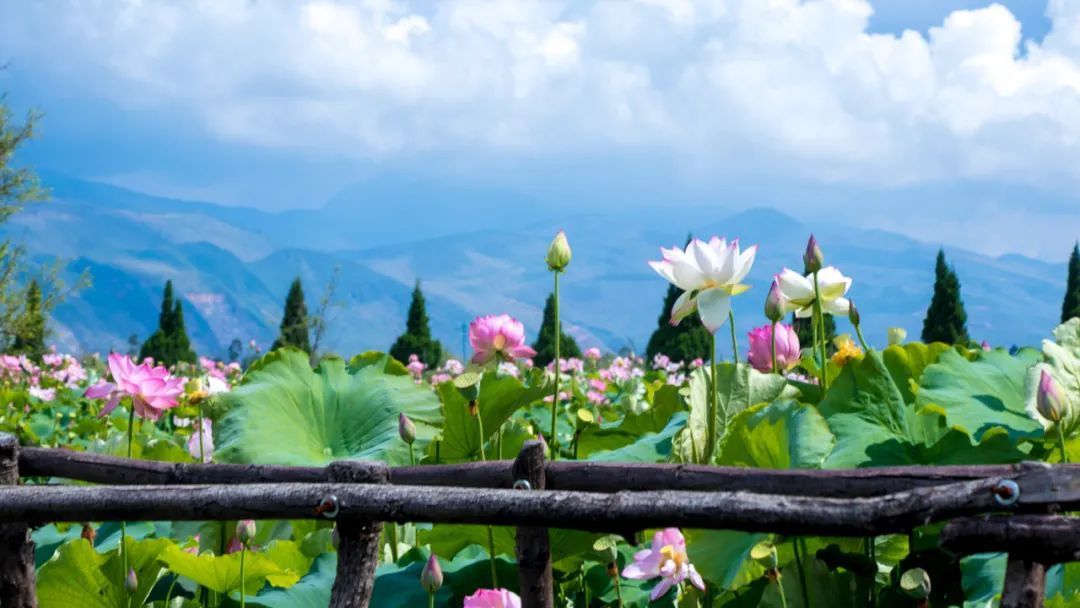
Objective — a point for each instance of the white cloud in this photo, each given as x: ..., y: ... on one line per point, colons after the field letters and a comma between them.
x: 786, y: 87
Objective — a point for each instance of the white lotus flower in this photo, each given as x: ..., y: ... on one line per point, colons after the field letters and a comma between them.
x: 709, y: 274
x: 797, y: 292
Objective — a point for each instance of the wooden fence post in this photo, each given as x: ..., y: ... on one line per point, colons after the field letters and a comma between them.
x: 358, y: 549
x: 533, y: 544
x: 17, y: 589
x: 1025, y: 583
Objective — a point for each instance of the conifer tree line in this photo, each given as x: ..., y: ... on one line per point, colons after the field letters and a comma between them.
x: 946, y: 319
x: 169, y: 344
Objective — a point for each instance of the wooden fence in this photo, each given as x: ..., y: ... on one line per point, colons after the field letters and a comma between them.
x: 1012, y: 508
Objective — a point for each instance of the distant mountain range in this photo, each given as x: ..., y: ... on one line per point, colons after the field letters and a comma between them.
x: 232, y: 266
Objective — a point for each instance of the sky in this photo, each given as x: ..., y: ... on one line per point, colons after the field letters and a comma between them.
x: 956, y: 122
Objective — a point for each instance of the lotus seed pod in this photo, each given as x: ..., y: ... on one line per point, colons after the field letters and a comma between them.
x: 916, y: 583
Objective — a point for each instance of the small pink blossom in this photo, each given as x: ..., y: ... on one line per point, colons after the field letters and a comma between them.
x: 207, y: 447
x: 416, y: 367
x: 696, y: 363
x: 598, y: 385
x: 44, y: 394
x: 787, y: 348
x: 498, y: 336
x: 596, y: 398
x: 667, y: 559
x: 453, y: 367
x: 151, y: 389
x: 492, y: 598
x: 592, y: 354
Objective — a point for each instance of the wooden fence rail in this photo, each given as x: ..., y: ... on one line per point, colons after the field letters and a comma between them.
x: 608, y: 497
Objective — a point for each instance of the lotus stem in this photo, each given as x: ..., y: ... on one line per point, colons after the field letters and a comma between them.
x: 1061, y: 444
x: 123, y: 524
x: 800, y: 548
x: 243, y: 551
x: 710, y: 435
x: 558, y: 368
x: 772, y: 348
x: 202, y: 450
x: 734, y: 340
x: 819, y: 320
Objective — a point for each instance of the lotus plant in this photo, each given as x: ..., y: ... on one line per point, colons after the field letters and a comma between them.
x: 1051, y: 407
x: 431, y: 578
x: 666, y: 559
x: 557, y: 258
x: 498, y: 337
x: 709, y: 274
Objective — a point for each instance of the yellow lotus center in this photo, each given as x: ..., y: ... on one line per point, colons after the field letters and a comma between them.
x: 670, y: 553
x: 499, y: 342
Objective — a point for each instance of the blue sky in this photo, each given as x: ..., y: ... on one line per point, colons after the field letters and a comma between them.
x: 952, y: 121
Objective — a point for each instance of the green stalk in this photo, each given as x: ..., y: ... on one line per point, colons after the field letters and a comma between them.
x: 734, y: 340
x: 800, y: 543
x: 391, y: 532
x: 412, y: 456
x: 871, y: 552
x: 202, y: 450
x: 1061, y: 443
x: 123, y: 524
x: 243, y: 599
x: 490, y: 530
x: 714, y: 400
x: 618, y: 589
x: 783, y: 596
x: 558, y: 368
x: 431, y: 600
x: 862, y: 341
x: 819, y: 318
x: 772, y: 348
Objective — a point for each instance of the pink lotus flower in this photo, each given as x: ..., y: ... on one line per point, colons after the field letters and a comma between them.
x: 787, y: 348
x: 492, y: 598
x: 151, y: 389
x: 667, y: 558
x: 498, y: 336
x: 416, y: 367
x: 207, y: 447
x: 592, y: 354
x: 44, y: 394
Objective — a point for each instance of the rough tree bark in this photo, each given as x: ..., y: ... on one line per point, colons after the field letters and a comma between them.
x: 358, y: 549
x: 1025, y: 584
x: 533, y: 544
x: 16, y: 547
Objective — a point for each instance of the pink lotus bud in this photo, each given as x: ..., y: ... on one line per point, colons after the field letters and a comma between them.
x: 787, y: 348
x: 593, y: 354
x: 813, y: 259
x: 131, y: 581
x: 1049, y: 399
x: 431, y: 577
x: 406, y: 429
x: 245, y: 530
x: 558, y: 253
x: 774, y: 303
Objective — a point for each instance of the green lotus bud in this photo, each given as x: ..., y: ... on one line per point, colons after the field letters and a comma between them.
x: 916, y: 583
x: 406, y: 429
x: 853, y: 314
x: 468, y: 384
x: 558, y: 253
x: 431, y: 577
x: 813, y: 259
x: 245, y: 531
x: 765, y: 554
x: 131, y: 581
x: 897, y: 335
x: 774, y: 303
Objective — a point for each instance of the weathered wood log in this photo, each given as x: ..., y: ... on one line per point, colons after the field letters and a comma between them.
x: 1049, y: 539
x: 358, y: 549
x: 585, y: 476
x: 1025, y: 583
x: 533, y: 548
x: 17, y: 587
x: 618, y: 512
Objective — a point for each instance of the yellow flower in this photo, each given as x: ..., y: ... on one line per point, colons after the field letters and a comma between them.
x: 846, y: 350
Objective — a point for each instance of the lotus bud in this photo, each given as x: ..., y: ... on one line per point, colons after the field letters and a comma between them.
x: 131, y: 581
x: 245, y: 531
x: 853, y: 314
x: 431, y: 577
x: 774, y: 303
x: 558, y: 253
x: 406, y: 429
x: 1049, y: 399
x: 813, y: 259
x: 916, y: 583
x: 897, y: 335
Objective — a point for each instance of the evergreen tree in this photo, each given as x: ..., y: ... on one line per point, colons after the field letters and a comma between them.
x: 169, y: 344
x: 236, y: 350
x: 946, y: 320
x: 804, y: 328
x: 686, y: 341
x: 1071, y: 306
x: 30, y: 335
x: 294, y: 323
x: 417, y: 338
x: 545, y: 340
x: 133, y: 345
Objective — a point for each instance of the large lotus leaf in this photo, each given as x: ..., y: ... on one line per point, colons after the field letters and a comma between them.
x: 650, y: 447
x: 777, y: 435
x: 739, y: 387
x: 723, y: 556
x: 500, y: 396
x: 80, y: 576
x: 981, y: 395
x: 1062, y: 361
x: 907, y: 362
x: 286, y: 413
x: 313, y: 591
x: 221, y: 573
x: 835, y: 589
x: 451, y: 539
x: 873, y: 425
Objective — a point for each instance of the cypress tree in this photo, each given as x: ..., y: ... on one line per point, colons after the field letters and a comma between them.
x: 294, y: 322
x: 686, y: 341
x: 417, y: 337
x: 545, y: 340
x: 1070, y: 308
x: 30, y: 335
x: 169, y: 344
x: 946, y: 320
